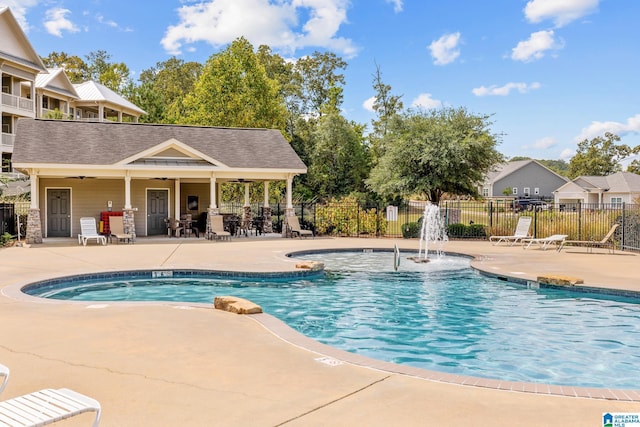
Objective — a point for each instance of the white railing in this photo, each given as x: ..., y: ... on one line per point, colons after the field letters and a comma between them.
x: 47, y: 113
x: 7, y: 141
x: 18, y: 102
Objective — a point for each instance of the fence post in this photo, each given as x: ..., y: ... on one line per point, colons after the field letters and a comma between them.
x: 535, y: 222
x: 579, y: 220
x: 490, y: 213
x: 624, y: 211
x: 446, y: 212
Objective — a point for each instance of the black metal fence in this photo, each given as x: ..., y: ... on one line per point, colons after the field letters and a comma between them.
x: 7, y: 218
x: 469, y: 219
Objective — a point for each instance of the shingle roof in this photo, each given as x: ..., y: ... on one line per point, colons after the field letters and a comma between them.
x: 107, y: 143
x: 619, y: 182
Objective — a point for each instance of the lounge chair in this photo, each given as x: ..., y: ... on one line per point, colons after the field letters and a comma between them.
x: 545, y: 242
x: 522, y: 231
x: 116, y: 229
x: 294, y: 227
x: 89, y: 231
x: 606, y: 242
x: 4, y: 373
x: 45, y: 407
x: 216, y: 229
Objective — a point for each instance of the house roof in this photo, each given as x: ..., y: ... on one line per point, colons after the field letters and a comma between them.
x: 56, y: 81
x: 19, y: 49
x: 619, y: 182
x: 62, y: 142
x: 505, y: 169
x: 93, y: 91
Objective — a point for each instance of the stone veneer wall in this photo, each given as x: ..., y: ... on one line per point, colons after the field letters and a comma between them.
x: 34, y: 227
x: 267, y: 226
x: 129, y: 223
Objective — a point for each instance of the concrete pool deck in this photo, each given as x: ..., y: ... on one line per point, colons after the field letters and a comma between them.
x: 154, y: 364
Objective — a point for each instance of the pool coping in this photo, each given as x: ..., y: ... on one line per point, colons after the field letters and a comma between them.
x: 291, y: 336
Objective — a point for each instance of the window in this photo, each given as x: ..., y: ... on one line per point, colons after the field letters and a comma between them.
x: 616, y: 201
x: 536, y: 191
x: 527, y: 191
x: 485, y: 192
x: 515, y: 190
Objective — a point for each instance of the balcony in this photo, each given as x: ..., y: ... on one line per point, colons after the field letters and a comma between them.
x: 6, y: 144
x: 18, y: 104
x: 54, y: 114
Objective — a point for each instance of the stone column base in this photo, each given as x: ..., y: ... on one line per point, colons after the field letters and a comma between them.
x: 129, y: 223
x: 267, y: 226
x: 34, y: 227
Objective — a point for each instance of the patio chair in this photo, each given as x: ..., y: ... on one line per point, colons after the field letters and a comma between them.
x: 545, y: 242
x: 216, y: 229
x: 46, y: 407
x: 294, y: 227
x: 175, y: 228
x: 89, y: 231
x: 4, y: 373
x: 606, y: 242
x: 116, y: 229
x: 522, y: 231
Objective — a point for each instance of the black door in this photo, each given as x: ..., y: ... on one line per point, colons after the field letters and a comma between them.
x: 157, y: 211
x: 59, y: 213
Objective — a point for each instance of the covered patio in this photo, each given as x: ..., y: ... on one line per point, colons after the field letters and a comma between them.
x: 145, y: 172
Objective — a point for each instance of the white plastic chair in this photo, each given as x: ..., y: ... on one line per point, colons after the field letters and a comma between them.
x: 4, y: 373
x: 88, y: 231
x: 521, y: 232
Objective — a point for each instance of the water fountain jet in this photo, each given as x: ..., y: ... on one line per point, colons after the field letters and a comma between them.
x: 433, y: 231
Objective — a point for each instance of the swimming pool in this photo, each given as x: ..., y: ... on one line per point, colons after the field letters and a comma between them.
x: 441, y: 316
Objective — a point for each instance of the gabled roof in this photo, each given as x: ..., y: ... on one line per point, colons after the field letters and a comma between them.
x: 56, y: 81
x: 505, y: 169
x: 93, y: 91
x: 619, y: 182
x: 62, y: 142
x: 15, y: 45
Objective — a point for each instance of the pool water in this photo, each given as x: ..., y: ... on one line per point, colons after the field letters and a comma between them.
x: 441, y: 315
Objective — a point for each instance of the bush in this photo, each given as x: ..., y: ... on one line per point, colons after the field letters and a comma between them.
x: 476, y: 230
x: 5, y: 239
x: 344, y: 217
x: 456, y: 230
x: 463, y: 230
x: 411, y: 230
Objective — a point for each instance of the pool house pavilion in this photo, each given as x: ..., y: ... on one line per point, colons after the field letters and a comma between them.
x: 148, y: 172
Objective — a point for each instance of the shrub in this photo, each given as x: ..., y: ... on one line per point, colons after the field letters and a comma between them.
x: 476, y: 230
x: 411, y: 230
x: 344, y: 217
x: 456, y: 230
x: 5, y: 239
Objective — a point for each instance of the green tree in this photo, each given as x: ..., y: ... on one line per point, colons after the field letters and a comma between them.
x: 74, y: 67
x: 321, y: 81
x: 114, y: 75
x: 339, y: 161
x: 634, y: 167
x: 163, y: 88
x: 234, y: 90
x: 386, y: 106
x: 600, y: 156
x: 435, y: 152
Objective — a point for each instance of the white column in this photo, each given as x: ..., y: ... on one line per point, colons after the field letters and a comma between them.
x: 101, y: 113
x: 289, y: 191
x: 176, y: 201
x: 246, y: 194
x: 266, y: 193
x: 127, y: 191
x: 35, y: 191
x: 120, y: 116
x: 212, y: 192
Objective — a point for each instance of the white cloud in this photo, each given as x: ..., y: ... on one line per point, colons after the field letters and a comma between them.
x: 445, y: 49
x: 107, y: 22
x: 19, y: 9
x: 545, y: 143
x: 274, y: 23
x: 535, y: 48
x: 567, y: 153
x: 368, y: 104
x: 506, y: 89
x: 424, y: 100
x: 632, y: 126
x: 56, y: 22
x: 397, y: 5
x: 561, y: 12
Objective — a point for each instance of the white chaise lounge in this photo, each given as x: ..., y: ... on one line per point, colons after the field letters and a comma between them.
x: 521, y: 232
x: 89, y: 231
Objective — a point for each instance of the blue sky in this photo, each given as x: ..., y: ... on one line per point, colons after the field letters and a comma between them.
x: 550, y: 72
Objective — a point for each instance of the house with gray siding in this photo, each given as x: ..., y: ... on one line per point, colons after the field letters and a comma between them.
x: 614, y: 189
x: 521, y: 179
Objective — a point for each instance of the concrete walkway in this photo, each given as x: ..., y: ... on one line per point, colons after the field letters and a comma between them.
x: 153, y: 364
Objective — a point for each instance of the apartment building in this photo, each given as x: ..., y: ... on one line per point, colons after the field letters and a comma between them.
x: 31, y: 90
